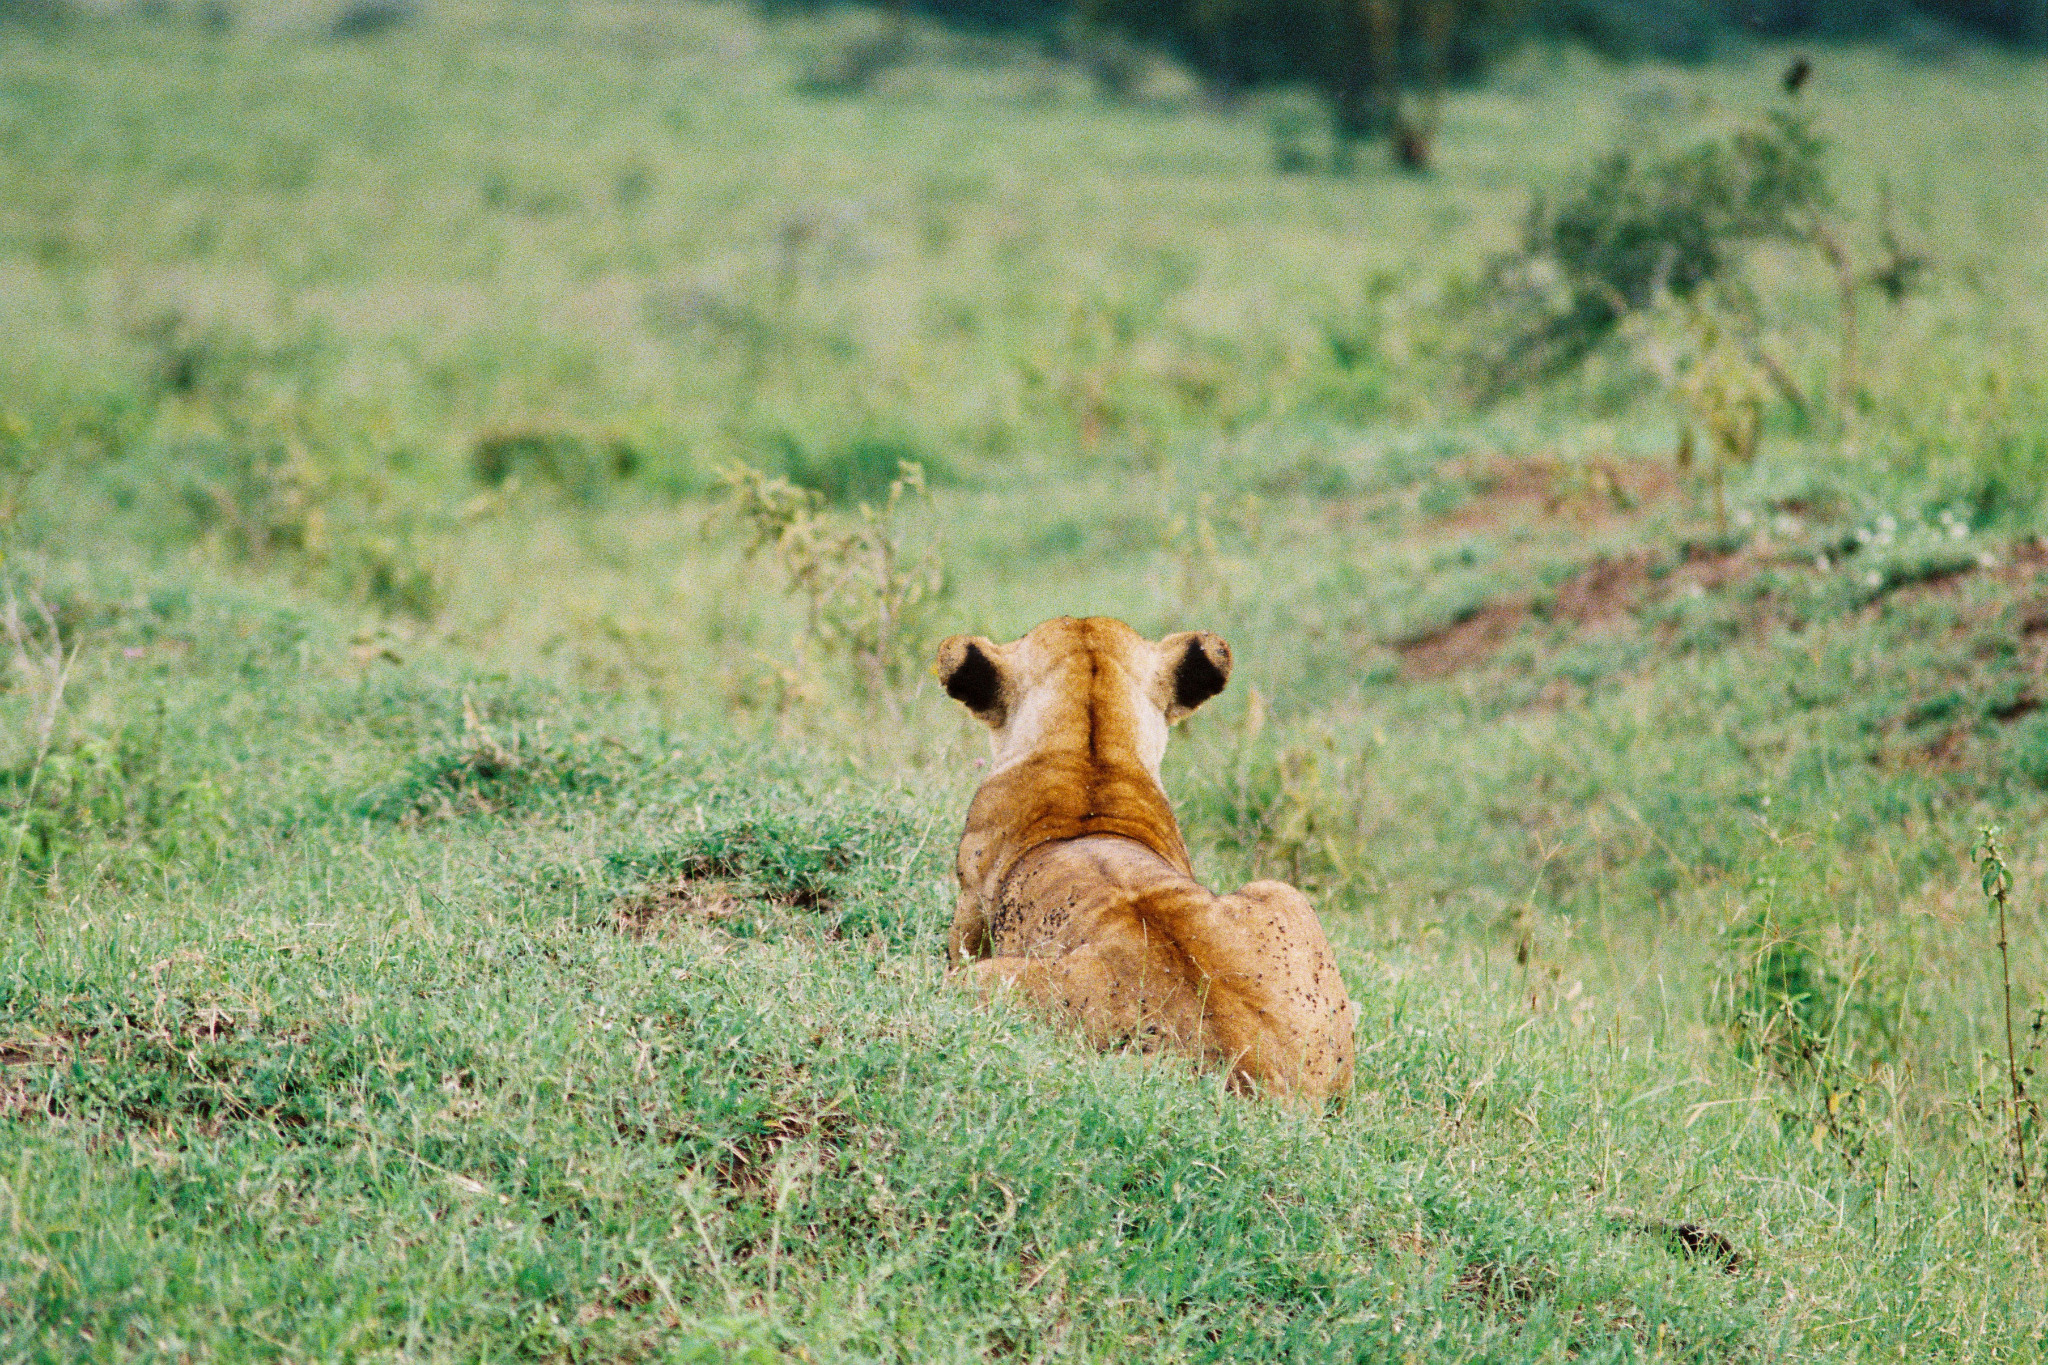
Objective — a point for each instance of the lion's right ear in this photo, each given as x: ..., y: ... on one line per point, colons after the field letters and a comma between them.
x: 971, y: 675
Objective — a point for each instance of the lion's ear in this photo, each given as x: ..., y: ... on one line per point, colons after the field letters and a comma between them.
x: 971, y: 675
x: 1196, y: 665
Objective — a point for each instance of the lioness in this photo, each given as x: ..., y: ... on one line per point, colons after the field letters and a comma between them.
x: 1075, y: 886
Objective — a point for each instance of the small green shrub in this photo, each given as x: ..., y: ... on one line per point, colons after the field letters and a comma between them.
x: 1783, y: 996
x: 857, y: 469
x: 480, y: 774
x: 2028, y: 750
x: 390, y: 570
x: 1287, y: 807
x: 1984, y: 446
x: 1995, y: 878
x: 869, y: 600
x: 578, y: 467
x: 50, y: 12
x: 2010, y: 474
x: 117, y: 805
x: 1633, y: 230
x: 255, y: 499
x: 370, y: 18
x: 1293, y: 123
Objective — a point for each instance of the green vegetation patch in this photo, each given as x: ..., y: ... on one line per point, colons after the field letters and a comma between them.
x: 479, y: 815
x: 479, y: 774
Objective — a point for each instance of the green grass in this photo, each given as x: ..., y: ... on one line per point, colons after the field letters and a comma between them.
x: 457, y: 908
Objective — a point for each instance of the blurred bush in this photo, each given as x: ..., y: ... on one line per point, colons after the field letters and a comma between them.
x: 34, y: 11
x: 1676, y: 30
x: 367, y: 18
x: 2016, y: 21
x: 848, y: 470
x: 120, y: 804
x: 1634, y: 230
x: 579, y: 467
x: 854, y: 59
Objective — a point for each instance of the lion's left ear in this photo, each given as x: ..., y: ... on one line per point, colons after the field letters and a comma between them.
x: 1194, y: 666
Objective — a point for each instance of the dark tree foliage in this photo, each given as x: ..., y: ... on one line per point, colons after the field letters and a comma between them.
x: 1242, y: 42
x: 1362, y: 56
x: 1381, y: 66
x: 2013, y: 21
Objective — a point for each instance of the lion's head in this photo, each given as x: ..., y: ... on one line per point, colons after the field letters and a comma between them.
x: 1072, y: 683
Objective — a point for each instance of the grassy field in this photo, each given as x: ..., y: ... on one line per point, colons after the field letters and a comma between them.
x: 480, y: 860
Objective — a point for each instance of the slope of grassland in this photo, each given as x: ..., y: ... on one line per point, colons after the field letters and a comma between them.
x: 477, y: 1018
x: 461, y: 907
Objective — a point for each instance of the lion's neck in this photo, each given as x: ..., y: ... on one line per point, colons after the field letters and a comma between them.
x: 1059, y: 794
x: 1079, y: 757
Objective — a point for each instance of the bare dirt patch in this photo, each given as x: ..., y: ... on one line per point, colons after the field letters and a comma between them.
x: 745, y: 1165
x: 688, y: 900
x: 654, y: 909
x: 1508, y: 489
x: 1602, y: 591
x: 1616, y: 589
x: 2003, y: 681
x: 20, y: 1061
x: 1608, y: 590
x: 1463, y: 644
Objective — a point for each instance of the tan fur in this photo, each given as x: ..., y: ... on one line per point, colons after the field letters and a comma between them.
x: 1075, y: 885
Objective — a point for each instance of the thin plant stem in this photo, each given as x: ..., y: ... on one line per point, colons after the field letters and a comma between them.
x: 1997, y: 884
x: 2012, y: 1065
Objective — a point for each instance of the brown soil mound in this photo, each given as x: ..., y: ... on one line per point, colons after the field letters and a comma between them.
x: 1613, y: 589
x: 2022, y: 563
x: 2011, y: 630
x: 1462, y: 644
x: 1605, y: 591
x: 653, y: 909
x: 1510, y: 489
